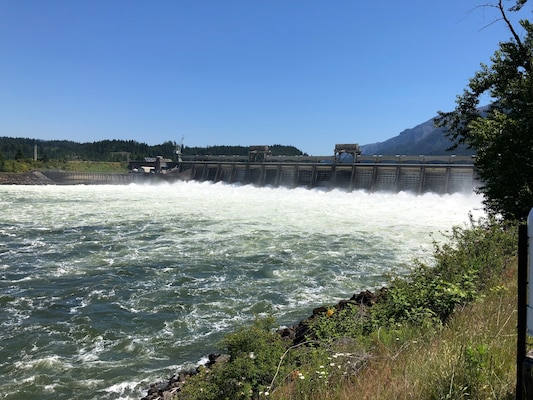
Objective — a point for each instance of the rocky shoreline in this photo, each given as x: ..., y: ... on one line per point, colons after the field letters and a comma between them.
x: 25, y: 178
x: 297, y: 334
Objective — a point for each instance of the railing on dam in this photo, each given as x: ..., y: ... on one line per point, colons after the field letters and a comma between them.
x: 402, y: 159
x: 442, y: 174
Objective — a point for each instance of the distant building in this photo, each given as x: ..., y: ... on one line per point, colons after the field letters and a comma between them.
x: 153, y: 165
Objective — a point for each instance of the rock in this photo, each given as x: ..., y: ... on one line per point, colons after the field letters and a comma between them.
x: 319, y: 310
x: 168, y: 390
x: 216, y: 358
x: 364, y: 298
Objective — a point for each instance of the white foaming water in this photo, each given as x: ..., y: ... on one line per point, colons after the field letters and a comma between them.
x: 105, y: 289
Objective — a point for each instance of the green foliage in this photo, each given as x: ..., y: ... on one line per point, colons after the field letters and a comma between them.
x: 346, y: 323
x: 15, y: 166
x: 216, y: 151
x: 107, y: 150
x: 476, y: 361
x: 115, y: 150
x: 18, y: 155
x: 254, y: 353
x: 276, y: 150
x: 501, y: 133
x: 280, y: 150
x: 62, y: 165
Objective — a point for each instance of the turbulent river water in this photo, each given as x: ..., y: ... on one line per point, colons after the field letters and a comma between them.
x: 106, y: 289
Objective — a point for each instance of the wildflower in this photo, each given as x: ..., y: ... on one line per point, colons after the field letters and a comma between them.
x: 251, y: 355
x: 330, y: 312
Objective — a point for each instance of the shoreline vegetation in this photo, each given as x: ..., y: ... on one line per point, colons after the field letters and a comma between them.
x: 13, y: 167
x: 443, y: 331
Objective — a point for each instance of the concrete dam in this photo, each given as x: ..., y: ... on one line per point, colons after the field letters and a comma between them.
x: 346, y: 169
x: 417, y: 174
x: 439, y: 174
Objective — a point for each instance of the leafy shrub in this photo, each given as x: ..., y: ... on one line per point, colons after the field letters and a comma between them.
x: 346, y: 323
x: 254, y: 352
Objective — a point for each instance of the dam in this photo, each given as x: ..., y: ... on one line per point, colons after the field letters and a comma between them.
x: 418, y: 174
x: 347, y: 169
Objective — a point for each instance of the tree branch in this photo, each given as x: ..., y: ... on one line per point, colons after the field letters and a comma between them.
x: 509, y: 25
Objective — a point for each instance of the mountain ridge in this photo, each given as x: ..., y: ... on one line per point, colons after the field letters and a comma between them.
x: 423, y: 139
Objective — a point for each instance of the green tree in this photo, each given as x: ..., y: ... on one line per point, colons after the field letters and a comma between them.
x: 502, y: 132
x: 19, y: 156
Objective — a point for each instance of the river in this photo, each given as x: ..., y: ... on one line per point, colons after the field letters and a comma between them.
x: 106, y: 289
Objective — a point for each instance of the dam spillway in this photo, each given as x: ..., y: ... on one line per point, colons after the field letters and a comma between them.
x: 419, y: 174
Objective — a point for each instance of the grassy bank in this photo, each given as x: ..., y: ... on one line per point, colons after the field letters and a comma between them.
x: 68, y: 166
x: 445, y: 331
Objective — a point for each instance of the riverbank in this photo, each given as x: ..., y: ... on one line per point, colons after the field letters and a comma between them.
x: 72, y: 178
x: 295, y: 335
x: 446, y: 331
x: 24, y: 178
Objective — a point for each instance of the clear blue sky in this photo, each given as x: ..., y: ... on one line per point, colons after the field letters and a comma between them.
x: 306, y: 73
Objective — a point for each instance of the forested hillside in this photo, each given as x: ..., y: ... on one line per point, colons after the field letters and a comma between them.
x: 113, y: 150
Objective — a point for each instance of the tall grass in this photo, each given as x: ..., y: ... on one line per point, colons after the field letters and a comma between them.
x: 472, y: 356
